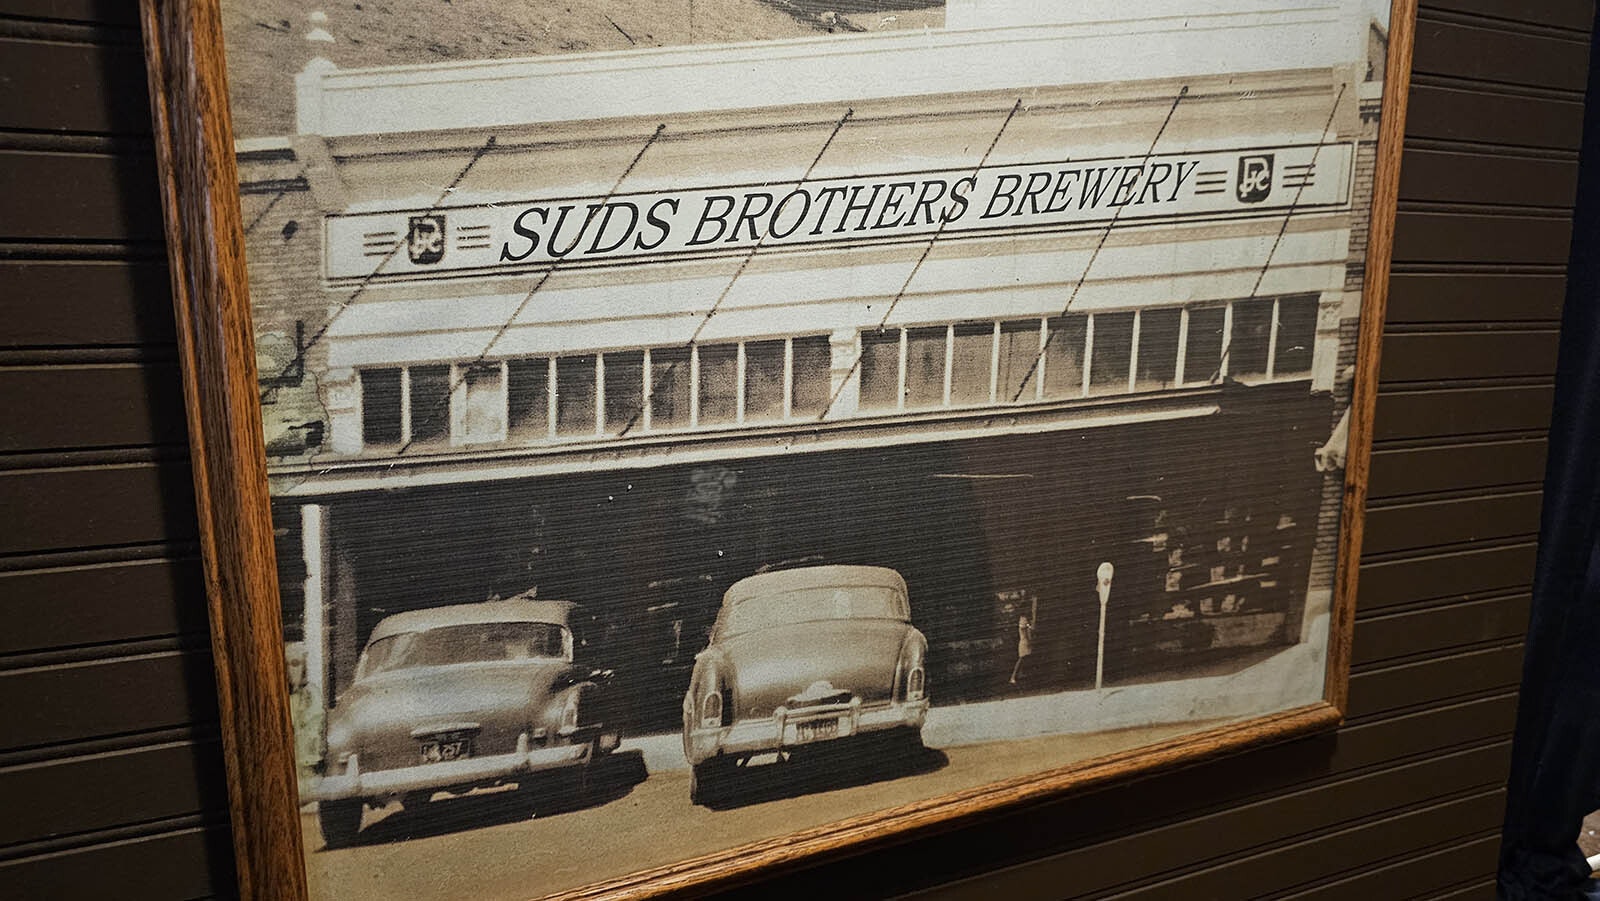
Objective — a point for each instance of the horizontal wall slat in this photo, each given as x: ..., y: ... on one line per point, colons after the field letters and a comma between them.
x: 101, y: 11
x: 103, y: 791
x: 1324, y: 857
x: 1435, y: 237
x: 1437, y: 413
x: 1454, y: 574
x: 85, y: 303
x: 1475, y: 297
x: 50, y: 705
x: 136, y: 503
x: 159, y: 868
x: 84, y: 406
x: 71, y: 87
x: 1412, y: 877
x: 1166, y: 798
x: 1426, y: 631
x: 100, y: 603
x: 1468, y: 355
x: 1455, y: 521
x: 1422, y: 470
x: 1098, y: 867
x: 113, y: 198
x: 1378, y: 691
x: 1578, y: 14
x: 1486, y: 53
x: 1456, y: 114
x: 1438, y: 176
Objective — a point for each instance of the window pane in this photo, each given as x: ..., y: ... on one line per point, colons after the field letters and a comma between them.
x: 624, y: 392
x: 1019, y: 348
x: 1297, y: 335
x: 925, y: 367
x: 1063, y: 356
x: 1113, y: 351
x: 483, y: 417
x: 430, y: 404
x: 575, y: 395
x: 380, y: 406
x: 719, y: 383
x: 669, y: 388
x: 529, y: 400
x: 1158, y: 350
x: 1202, y: 358
x: 763, y: 380
x: 1252, y: 335
x: 880, y: 369
x: 969, y: 363
x: 813, y: 379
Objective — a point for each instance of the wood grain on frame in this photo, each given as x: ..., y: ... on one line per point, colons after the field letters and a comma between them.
x: 210, y: 293
x: 1369, y: 341
x: 199, y: 194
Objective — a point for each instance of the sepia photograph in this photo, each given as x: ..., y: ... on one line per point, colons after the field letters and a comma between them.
x: 692, y: 423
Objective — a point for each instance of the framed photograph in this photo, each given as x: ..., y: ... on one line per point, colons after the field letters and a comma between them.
x: 644, y: 444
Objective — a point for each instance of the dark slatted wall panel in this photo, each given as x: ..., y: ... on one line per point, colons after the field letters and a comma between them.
x: 108, y: 743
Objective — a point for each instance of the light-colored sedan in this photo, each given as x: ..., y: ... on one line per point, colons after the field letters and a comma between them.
x: 461, y: 697
x: 803, y: 657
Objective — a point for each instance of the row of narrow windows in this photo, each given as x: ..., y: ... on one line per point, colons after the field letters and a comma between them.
x: 629, y: 392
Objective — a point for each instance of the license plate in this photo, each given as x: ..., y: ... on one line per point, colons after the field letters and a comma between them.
x: 816, y: 730
x: 446, y: 750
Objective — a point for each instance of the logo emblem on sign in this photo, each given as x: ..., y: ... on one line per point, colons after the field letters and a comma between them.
x: 425, y: 239
x: 1255, y: 178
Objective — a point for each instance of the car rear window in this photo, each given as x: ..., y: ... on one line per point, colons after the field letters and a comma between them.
x: 469, y: 643
x: 814, y: 604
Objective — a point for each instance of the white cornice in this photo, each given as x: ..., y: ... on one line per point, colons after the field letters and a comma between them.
x: 1151, y: 40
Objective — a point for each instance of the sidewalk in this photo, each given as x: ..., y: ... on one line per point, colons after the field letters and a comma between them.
x: 1292, y: 678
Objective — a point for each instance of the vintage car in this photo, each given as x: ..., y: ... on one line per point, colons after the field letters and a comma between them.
x: 803, y: 657
x: 462, y: 697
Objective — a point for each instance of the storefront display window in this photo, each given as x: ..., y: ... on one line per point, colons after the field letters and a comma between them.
x: 1205, y: 336
x: 481, y: 401
x: 971, y: 363
x: 880, y: 370
x: 670, y: 387
x: 1112, y: 354
x: 719, y: 384
x: 575, y: 395
x: 429, y: 394
x: 624, y: 384
x: 380, y: 407
x: 1158, y: 350
x: 1016, y: 366
x: 810, y: 372
x: 528, y: 398
x: 764, y: 367
x: 1297, y: 332
x: 1063, y: 356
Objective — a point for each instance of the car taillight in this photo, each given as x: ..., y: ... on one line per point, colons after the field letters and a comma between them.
x: 711, y: 710
x: 914, y: 678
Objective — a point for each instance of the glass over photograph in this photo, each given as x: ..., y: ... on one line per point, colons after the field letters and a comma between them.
x: 694, y: 422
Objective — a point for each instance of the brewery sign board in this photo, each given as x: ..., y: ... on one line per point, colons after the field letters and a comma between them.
x: 666, y: 443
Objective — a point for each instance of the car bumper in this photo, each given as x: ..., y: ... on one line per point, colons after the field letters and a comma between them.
x: 443, y: 776
x: 781, y: 731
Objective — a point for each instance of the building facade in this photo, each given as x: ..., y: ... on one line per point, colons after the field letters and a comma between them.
x: 991, y: 304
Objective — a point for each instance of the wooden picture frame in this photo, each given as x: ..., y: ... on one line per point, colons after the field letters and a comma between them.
x: 205, y: 227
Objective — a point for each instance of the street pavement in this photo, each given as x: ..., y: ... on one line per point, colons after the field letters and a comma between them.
x: 507, y: 845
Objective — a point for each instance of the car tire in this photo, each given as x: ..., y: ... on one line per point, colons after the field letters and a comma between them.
x: 340, y: 822
x: 711, y: 782
x: 908, y: 744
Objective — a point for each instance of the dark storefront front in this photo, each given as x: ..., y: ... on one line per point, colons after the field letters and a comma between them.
x: 1211, y: 557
